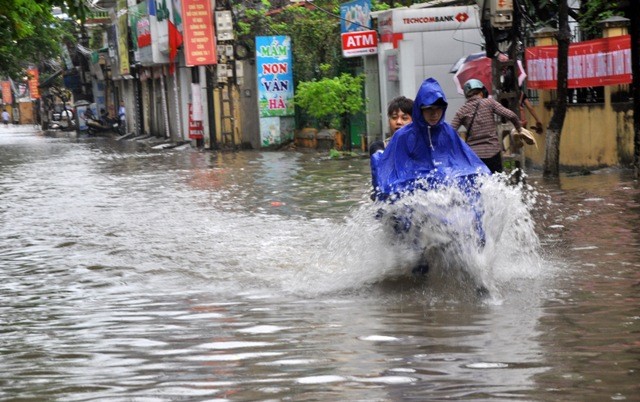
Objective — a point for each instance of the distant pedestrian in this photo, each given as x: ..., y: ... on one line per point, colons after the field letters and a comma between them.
x: 122, y: 112
x: 122, y: 118
x: 5, y: 117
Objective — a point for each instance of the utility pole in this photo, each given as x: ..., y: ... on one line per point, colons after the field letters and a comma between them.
x: 501, y: 27
x: 229, y: 74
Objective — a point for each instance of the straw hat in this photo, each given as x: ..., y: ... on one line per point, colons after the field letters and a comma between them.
x: 523, y: 136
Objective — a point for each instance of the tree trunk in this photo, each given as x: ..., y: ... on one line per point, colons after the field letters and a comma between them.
x: 552, y: 145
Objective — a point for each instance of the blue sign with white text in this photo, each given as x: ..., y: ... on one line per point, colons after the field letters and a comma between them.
x: 355, y: 16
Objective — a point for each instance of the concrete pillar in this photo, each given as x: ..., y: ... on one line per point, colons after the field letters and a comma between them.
x: 611, y: 27
x: 407, y: 68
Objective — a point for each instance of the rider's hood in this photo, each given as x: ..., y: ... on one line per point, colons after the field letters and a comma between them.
x: 430, y: 93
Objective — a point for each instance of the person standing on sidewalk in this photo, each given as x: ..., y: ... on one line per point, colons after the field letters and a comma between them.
x: 122, y: 119
x: 478, y: 116
x: 5, y: 117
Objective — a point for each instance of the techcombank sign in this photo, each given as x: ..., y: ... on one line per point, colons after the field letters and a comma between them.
x: 429, y: 19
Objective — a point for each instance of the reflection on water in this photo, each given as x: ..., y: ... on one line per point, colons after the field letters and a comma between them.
x: 141, y: 275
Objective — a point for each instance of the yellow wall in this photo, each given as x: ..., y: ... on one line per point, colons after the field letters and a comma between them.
x: 595, y: 135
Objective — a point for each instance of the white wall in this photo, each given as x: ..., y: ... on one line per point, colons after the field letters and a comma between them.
x: 434, y: 54
x: 426, y: 50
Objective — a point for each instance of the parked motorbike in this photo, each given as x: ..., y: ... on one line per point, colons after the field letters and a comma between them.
x: 100, y: 125
x: 62, y: 120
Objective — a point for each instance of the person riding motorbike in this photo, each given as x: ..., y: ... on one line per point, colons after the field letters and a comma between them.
x: 423, y: 155
x: 428, y: 147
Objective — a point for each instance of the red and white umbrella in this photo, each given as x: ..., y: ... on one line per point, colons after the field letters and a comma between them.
x: 478, y: 66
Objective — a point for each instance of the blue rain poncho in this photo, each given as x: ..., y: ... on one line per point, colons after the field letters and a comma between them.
x: 419, y: 153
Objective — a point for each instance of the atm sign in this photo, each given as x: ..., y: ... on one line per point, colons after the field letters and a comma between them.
x: 359, y: 43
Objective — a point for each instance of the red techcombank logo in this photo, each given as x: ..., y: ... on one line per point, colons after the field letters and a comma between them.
x: 462, y: 17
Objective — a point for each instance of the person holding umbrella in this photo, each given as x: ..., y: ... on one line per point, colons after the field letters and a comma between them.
x: 477, y: 115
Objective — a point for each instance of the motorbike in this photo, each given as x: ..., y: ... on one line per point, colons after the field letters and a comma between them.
x: 63, y: 120
x: 435, y: 215
x: 99, y: 125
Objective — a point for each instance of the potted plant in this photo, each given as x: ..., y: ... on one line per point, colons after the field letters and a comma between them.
x: 331, y: 101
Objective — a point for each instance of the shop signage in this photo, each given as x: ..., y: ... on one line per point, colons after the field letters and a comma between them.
x: 199, y: 37
x: 196, y: 130
x: 274, y: 75
x: 355, y: 15
x: 33, y: 83
x: 426, y: 20
x: 359, y: 43
x: 6, y: 92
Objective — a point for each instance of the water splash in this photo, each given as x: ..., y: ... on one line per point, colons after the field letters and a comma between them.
x: 380, y: 242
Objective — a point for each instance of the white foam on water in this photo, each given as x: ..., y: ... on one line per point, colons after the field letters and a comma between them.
x: 379, y: 338
x: 262, y: 329
x: 321, y: 379
x: 386, y: 380
x: 487, y: 365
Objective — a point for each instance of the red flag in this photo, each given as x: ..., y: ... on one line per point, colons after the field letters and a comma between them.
x: 175, y: 41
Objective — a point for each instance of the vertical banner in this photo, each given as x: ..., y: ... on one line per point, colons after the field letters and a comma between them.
x: 123, y: 35
x: 163, y: 14
x: 275, y: 76
x: 157, y: 25
x: 140, y: 32
x: 33, y: 83
x: 175, y: 39
x: 196, y: 130
x: 196, y: 102
x: 6, y: 93
x: 199, y: 41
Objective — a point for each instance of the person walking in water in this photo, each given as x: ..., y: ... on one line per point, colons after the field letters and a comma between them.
x: 478, y: 116
x: 5, y: 117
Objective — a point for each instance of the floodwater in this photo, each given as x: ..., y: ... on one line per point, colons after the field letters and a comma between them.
x: 130, y: 274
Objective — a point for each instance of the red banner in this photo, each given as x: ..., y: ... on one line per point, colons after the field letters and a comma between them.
x: 197, y: 25
x: 33, y: 83
x: 592, y: 63
x: 6, y: 93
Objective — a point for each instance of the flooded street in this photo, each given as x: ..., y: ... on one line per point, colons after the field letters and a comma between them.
x: 129, y: 274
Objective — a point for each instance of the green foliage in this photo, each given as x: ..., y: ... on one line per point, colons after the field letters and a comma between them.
x: 593, y: 11
x: 30, y: 34
x: 330, y: 100
x: 590, y: 13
